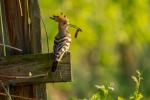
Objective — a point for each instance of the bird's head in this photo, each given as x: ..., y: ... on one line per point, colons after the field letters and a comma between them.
x: 62, y: 20
x: 63, y: 23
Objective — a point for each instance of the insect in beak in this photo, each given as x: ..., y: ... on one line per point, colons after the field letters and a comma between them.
x: 77, y: 29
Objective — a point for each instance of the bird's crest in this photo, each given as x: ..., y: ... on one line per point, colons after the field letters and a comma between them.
x: 61, y: 18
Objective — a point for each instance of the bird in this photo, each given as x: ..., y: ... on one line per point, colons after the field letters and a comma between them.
x: 62, y: 40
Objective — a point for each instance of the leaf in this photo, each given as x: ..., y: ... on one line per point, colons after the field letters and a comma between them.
x: 135, y: 79
x: 95, y: 97
x: 120, y: 98
x: 111, y: 88
x: 138, y: 72
x: 100, y: 87
x: 140, y: 96
x: 131, y: 97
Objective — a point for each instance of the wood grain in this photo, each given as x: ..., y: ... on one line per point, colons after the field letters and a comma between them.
x: 16, y: 69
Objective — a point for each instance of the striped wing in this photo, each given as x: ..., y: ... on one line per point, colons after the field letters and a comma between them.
x: 61, y: 45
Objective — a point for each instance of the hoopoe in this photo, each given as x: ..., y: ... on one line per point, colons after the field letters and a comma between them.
x: 62, y: 39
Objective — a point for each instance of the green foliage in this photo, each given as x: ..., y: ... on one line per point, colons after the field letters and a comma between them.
x: 103, y: 91
x: 120, y: 98
x: 137, y: 94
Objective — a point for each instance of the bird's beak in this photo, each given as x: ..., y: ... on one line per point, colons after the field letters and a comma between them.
x: 53, y: 17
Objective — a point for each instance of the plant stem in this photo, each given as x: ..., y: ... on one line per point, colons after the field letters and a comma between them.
x: 2, y: 29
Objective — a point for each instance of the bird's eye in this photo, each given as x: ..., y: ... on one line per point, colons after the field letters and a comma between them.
x: 64, y: 22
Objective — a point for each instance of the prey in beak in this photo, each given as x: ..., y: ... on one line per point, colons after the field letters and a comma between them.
x: 62, y: 18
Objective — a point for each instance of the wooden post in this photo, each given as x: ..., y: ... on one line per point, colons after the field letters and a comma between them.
x: 23, y: 31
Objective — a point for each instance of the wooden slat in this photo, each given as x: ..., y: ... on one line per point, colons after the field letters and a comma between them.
x: 37, y: 64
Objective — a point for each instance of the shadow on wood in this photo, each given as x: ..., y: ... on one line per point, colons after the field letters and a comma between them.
x: 34, y: 68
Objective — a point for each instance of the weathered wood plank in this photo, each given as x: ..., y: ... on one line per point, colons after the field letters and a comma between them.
x: 16, y: 69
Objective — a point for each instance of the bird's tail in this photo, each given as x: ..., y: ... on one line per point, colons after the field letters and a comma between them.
x: 54, y: 66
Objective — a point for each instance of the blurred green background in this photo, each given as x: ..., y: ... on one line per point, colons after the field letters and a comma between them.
x: 115, y: 42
